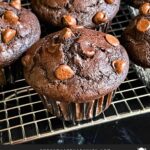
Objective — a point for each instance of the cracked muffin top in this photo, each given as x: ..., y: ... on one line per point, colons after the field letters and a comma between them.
x: 19, y: 29
x: 136, y: 39
x: 76, y: 65
x: 88, y: 13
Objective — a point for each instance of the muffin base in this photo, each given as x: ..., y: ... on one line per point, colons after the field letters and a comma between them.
x: 78, y: 111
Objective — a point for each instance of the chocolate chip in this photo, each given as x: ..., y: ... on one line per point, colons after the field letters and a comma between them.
x: 8, y: 35
x: 26, y: 60
x: 87, y: 48
x: 64, y: 72
x: 100, y: 17
x: 143, y: 25
x: 66, y: 33
x: 11, y: 17
x: 109, y: 1
x: 16, y: 4
x: 145, y: 8
x: 69, y: 20
x: 112, y: 40
x: 119, y: 65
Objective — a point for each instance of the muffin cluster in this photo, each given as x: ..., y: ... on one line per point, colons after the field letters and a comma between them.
x: 75, y: 70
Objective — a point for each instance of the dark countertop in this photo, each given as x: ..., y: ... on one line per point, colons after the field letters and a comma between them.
x: 134, y: 130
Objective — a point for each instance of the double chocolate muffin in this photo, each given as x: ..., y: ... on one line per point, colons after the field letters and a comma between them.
x: 136, y: 39
x: 19, y: 29
x: 76, y: 71
x: 87, y: 13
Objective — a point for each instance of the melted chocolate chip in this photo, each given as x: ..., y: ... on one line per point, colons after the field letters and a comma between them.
x: 16, y: 4
x: 143, y: 25
x: 11, y: 17
x: 145, y: 8
x: 119, y: 65
x: 112, y: 40
x: 64, y: 72
x: 8, y: 35
x: 100, y: 17
x: 66, y: 33
x: 69, y: 20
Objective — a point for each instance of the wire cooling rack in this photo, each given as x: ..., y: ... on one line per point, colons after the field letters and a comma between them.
x: 23, y: 117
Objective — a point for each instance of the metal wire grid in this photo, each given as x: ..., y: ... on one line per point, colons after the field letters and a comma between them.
x: 23, y: 117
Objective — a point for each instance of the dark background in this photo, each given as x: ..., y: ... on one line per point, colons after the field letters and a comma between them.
x: 134, y: 130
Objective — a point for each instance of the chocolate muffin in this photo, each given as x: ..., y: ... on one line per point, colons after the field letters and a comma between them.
x: 76, y: 71
x: 87, y: 13
x: 136, y: 40
x: 19, y: 29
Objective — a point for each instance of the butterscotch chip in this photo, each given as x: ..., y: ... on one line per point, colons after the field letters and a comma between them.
x: 8, y: 35
x: 64, y: 72
x: 119, y: 65
x: 16, y: 4
x: 87, y: 49
x: 11, y: 17
x: 143, y: 25
x: 26, y: 60
x: 109, y: 1
x: 89, y: 52
x: 69, y: 20
x: 100, y: 17
x: 66, y: 33
x: 112, y: 40
x: 145, y: 8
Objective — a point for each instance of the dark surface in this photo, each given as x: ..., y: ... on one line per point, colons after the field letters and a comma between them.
x: 28, y: 32
x: 83, y: 11
x: 94, y: 75
x: 137, y: 42
x: 133, y: 130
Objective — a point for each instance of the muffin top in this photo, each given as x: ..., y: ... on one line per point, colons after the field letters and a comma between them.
x: 19, y: 29
x: 76, y: 65
x: 136, y: 39
x: 88, y: 13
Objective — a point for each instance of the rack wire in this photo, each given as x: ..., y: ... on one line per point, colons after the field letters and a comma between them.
x: 23, y: 117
